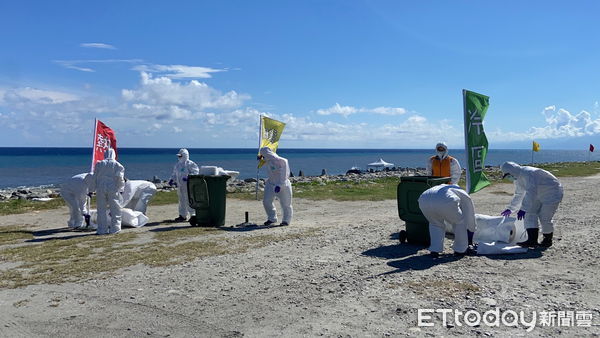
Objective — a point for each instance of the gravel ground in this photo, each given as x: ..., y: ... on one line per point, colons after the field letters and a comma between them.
x: 338, y: 270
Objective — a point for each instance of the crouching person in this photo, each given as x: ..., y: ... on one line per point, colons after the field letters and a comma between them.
x: 450, y: 204
x: 137, y: 195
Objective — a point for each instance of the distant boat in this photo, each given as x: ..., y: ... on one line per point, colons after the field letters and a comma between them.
x: 380, y: 165
x: 354, y: 170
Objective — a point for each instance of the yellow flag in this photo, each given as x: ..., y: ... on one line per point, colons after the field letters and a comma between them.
x: 270, y: 132
x: 535, y: 146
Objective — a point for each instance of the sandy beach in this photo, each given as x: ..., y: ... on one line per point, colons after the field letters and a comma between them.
x: 338, y: 270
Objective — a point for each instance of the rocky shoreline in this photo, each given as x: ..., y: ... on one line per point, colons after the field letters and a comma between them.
x: 247, y: 185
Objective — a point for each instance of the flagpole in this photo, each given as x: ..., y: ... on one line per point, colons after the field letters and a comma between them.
x: 94, y: 144
x: 532, y: 155
x: 468, y: 172
x: 259, y: 139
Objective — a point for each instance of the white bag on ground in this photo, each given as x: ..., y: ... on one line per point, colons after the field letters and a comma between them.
x: 499, y: 235
x: 497, y: 248
x: 133, y: 218
x: 129, y: 218
x: 495, y: 229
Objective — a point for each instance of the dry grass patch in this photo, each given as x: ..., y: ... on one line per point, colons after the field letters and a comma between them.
x: 11, y: 234
x: 74, y: 259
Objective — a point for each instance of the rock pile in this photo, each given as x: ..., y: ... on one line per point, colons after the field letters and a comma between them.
x: 247, y: 185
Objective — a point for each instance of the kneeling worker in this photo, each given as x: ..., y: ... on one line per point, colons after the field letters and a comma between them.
x: 447, y: 203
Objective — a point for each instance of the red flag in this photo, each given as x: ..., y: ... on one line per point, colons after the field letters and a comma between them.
x: 591, y: 148
x: 104, y: 138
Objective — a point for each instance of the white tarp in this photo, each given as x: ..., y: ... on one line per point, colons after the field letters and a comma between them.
x: 498, y: 235
x: 129, y: 218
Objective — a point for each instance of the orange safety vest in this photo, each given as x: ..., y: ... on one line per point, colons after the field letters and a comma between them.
x: 441, y: 168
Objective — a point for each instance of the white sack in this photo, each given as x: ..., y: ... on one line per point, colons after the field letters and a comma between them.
x: 498, y: 235
x: 496, y: 248
x: 129, y: 218
x: 209, y: 170
x: 495, y: 229
x: 133, y: 218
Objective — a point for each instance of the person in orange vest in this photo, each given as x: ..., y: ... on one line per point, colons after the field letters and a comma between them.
x: 443, y: 165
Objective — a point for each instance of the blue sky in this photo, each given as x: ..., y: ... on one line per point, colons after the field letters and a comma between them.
x: 341, y: 74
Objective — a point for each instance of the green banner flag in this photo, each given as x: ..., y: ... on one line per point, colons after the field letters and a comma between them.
x: 476, y: 144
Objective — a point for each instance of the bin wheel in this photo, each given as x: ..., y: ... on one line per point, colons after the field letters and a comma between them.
x: 193, y: 221
x: 402, y: 236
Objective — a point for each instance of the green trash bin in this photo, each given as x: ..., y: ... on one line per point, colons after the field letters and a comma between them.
x: 207, y: 195
x: 410, y: 189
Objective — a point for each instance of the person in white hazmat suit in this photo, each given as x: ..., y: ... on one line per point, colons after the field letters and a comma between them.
x: 537, y: 196
x: 75, y: 193
x: 444, y: 165
x: 137, y: 194
x: 277, y: 185
x: 446, y: 203
x: 182, y: 169
x: 108, y: 178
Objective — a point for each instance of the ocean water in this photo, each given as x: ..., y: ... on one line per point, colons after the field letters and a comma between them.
x: 50, y: 166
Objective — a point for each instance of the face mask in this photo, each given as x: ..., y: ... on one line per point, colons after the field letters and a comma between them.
x: 441, y: 154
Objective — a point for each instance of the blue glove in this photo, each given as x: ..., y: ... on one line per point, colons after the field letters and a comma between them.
x: 171, y: 182
x: 520, y: 214
x: 506, y: 213
x: 184, y: 178
x: 277, y: 188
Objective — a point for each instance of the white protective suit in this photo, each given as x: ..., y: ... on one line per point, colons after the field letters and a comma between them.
x: 182, y: 169
x: 137, y: 194
x: 455, y: 169
x: 74, y: 192
x: 447, y: 203
x: 278, y: 171
x: 537, y: 192
x: 108, y: 179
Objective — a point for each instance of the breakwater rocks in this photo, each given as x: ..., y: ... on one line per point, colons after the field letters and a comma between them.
x: 244, y: 186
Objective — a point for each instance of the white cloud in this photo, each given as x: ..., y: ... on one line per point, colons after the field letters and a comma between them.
x: 561, y: 123
x: 387, y: 111
x: 337, y: 109
x: 97, y: 45
x: 38, y: 96
x: 414, y: 131
x: 81, y: 65
x: 73, y: 65
x: 348, y: 110
x: 178, y: 71
x: 162, y: 98
x: 177, y: 130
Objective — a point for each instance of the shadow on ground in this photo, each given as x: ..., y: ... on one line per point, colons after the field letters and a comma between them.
x: 393, y: 251
x: 420, y: 262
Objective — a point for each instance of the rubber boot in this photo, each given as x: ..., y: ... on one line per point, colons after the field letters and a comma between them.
x: 547, y: 241
x: 470, y: 237
x: 532, y: 236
